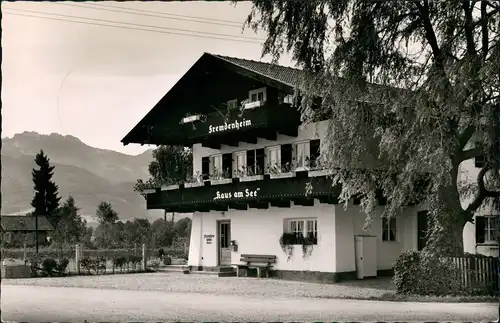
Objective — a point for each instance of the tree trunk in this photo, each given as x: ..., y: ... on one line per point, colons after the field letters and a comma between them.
x: 447, y: 221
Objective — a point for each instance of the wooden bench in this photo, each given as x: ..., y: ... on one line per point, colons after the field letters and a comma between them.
x: 259, y: 262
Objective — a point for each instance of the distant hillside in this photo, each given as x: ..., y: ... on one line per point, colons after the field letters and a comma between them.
x: 90, y: 174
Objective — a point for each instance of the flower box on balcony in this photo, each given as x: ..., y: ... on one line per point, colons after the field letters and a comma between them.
x: 281, y: 175
x: 194, y: 184
x: 252, y: 105
x: 251, y: 178
x: 169, y: 187
x: 319, y: 172
x: 221, y: 181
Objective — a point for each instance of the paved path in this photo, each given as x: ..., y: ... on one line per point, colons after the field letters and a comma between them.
x: 70, y: 304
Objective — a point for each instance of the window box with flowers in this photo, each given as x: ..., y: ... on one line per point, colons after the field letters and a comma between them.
x: 303, y: 232
x: 195, y: 181
x: 247, y: 174
x: 220, y: 177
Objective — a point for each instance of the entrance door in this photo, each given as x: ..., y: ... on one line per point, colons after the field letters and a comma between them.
x: 224, y: 237
x: 422, y: 227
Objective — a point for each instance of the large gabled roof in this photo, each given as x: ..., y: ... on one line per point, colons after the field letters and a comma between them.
x: 286, y: 75
x: 267, y: 72
x: 24, y: 223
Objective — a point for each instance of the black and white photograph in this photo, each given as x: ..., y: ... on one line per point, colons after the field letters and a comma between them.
x: 250, y: 161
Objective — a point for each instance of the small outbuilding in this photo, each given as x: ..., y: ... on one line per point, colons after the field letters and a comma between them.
x: 19, y: 229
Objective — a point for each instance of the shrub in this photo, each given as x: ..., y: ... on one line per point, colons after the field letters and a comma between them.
x: 62, y: 265
x: 154, y: 264
x: 87, y: 264
x: 420, y: 273
x: 49, y: 267
x: 407, y: 273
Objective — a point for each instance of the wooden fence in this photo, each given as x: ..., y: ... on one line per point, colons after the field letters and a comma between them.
x: 478, y: 272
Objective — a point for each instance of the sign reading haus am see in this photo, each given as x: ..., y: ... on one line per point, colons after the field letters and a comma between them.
x: 235, y: 125
x: 242, y: 194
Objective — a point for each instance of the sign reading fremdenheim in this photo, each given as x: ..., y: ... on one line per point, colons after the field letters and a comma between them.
x: 230, y: 126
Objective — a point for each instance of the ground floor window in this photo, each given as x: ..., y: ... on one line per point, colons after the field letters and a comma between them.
x: 486, y: 228
x: 307, y: 228
x: 389, y: 229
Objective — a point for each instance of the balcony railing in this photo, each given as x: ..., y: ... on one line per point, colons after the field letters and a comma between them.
x: 246, y: 174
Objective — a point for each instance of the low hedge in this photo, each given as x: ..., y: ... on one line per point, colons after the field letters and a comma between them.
x: 48, y: 267
x: 419, y: 273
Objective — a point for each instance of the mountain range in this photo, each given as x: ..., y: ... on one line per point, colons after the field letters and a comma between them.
x: 89, y: 174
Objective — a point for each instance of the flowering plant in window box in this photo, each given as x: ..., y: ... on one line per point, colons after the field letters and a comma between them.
x: 317, y: 168
x: 279, y: 171
x: 194, y: 181
x: 247, y: 174
x: 289, y: 239
x: 221, y: 177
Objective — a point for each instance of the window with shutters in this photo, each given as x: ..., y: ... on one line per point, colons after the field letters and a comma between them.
x: 486, y: 229
x: 255, y: 162
x: 490, y: 229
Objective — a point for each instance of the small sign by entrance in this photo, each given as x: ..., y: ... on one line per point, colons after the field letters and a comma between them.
x: 229, y: 195
x: 208, y: 238
x: 235, y: 125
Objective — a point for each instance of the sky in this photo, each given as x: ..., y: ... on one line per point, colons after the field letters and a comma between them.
x: 66, y: 71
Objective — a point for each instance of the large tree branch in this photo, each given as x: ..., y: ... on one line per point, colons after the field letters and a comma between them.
x: 469, y: 28
x: 481, y: 195
x: 465, y: 136
x: 430, y: 35
x: 470, y: 153
x: 484, y: 28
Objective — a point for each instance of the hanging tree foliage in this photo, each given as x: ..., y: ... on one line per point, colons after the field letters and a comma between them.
x: 407, y: 86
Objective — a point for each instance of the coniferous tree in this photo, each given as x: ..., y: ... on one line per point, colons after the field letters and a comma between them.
x: 46, y: 199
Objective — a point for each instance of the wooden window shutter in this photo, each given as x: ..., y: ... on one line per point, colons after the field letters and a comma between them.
x: 314, y: 152
x: 286, y: 154
x: 251, y: 160
x: 227, y: 164
x: 205, y: 167
x: 480, y: 223
x: 260, y: 161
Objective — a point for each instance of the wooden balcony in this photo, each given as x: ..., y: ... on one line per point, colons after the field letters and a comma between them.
x: 241, y: 194
x: 232, y: 126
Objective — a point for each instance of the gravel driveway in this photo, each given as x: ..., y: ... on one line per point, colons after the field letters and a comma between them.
x: 180, y: 283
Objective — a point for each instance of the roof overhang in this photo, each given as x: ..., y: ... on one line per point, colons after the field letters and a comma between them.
x: 140, y: 131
